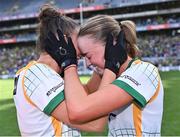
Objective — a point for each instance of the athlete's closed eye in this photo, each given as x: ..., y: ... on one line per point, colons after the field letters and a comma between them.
x: 81, y: 55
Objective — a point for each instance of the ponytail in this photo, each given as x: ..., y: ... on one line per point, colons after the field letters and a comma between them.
x: 129, y: 29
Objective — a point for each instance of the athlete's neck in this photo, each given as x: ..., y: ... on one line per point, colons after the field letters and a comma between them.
x: 124, y: 66
x: 48, y: 60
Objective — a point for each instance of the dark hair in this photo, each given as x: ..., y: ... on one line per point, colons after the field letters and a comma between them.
x: 50, y: 19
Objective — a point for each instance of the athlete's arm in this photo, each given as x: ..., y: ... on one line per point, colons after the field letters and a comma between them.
x: 61, y: 114
x: 82, y: 107
x: 93, y: 83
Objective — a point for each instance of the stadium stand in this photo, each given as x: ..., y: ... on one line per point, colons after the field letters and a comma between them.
x: 159, y: 46
x: 13, y: 58
x: 158, y: 27
x: 67, y: 4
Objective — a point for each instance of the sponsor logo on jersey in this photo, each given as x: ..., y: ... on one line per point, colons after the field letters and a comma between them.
x: 131, y: 79
x: 54, y: 89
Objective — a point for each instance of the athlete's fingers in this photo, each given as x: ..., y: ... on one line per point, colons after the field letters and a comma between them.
x: 61, y: 37
x: 121, y: 39
x: 52, y: 38
x: 109, y: 41
x: 50, y: 45
x: 70, y: 41
x: 49, y: 49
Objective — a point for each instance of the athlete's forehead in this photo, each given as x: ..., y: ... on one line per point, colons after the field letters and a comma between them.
x: 86, y: 44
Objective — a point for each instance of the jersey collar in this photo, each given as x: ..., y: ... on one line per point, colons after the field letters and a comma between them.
x: 130, y: 63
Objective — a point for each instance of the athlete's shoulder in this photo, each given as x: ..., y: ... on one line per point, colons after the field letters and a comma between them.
x: 139, y: 67
x: 139, y: 77
x: 37, y: 75
x: 41, y: 70
x: 142, y: 64
x: 23, y: 69
x: 42, y: 86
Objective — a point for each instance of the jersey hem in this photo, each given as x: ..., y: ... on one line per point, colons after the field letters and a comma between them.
x: 54, y: 103
x: 139, y: 99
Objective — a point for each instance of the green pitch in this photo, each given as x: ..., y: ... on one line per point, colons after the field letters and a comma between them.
x: 171, y: 116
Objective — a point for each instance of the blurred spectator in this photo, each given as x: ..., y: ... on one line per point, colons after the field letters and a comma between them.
x: 15, y: 58
x: 161, y: 50
x: 156, y: 20
x: 159, y: 46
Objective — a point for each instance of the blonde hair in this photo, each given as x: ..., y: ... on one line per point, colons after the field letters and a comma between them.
x: 98, y: 28
x: 129, y: 29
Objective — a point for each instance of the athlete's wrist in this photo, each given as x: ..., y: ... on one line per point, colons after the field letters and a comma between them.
x: 109, y: 73
x: 68, y: 62
x: 72, y: 66
x: 113, y: 66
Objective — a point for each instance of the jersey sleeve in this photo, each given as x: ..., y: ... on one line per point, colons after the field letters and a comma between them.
x: 44, y: 87
x: 140, y: 81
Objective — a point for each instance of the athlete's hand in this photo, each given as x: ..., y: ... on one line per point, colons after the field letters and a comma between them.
x: 115, y: 55
x: 61, y: 51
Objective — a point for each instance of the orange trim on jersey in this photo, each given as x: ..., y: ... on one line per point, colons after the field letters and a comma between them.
x: 56, y: 124
x: 137, y: 117
x: 19, y: 71
x: 24, y: 91
x: 28, y: 65
x: 57, y: 127
x: 25, y: 95
x: 156, y: 93
x: 137, y: 61
x: 137, y: 113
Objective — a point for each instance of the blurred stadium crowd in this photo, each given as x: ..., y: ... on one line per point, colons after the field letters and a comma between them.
x: 16, y: 7
x: 151, y: 46
x: 158, y: 34
x: 159, y: 46
x: 15, y: 58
